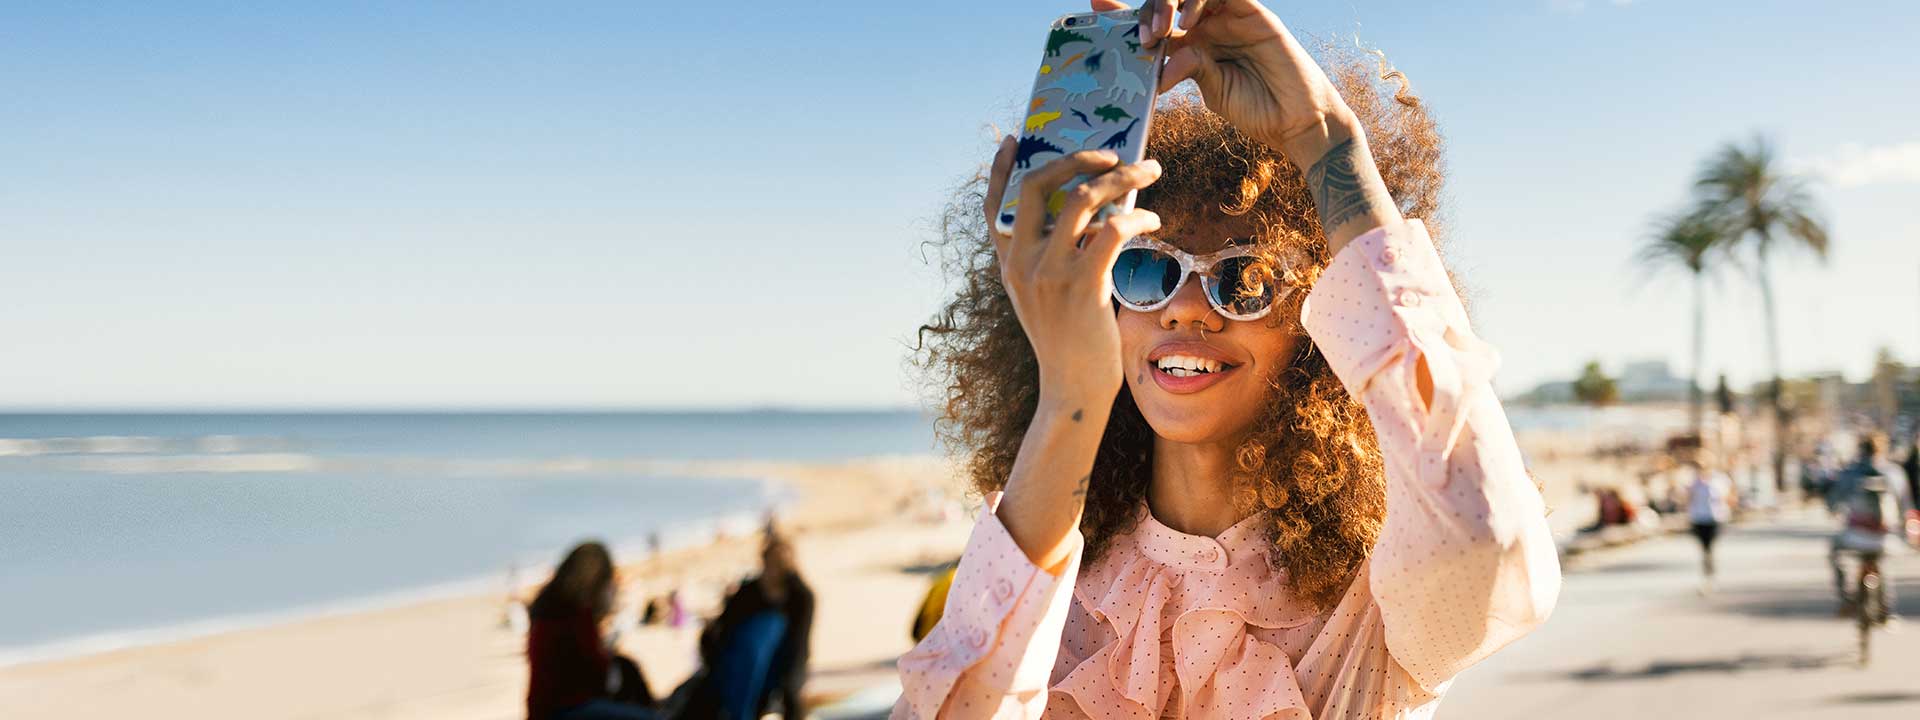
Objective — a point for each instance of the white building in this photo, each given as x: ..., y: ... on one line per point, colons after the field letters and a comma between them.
x: 1650, y: 380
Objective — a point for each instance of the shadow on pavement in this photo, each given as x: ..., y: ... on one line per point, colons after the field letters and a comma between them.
x: 1799, y: 602
x: 1756, y: 530
x: 1624, y: 568
x: 1606, y: 672
x: 1879, y: 698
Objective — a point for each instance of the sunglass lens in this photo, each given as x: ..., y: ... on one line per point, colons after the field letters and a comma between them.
x: 1143, y: 276
x: 1241, y: 286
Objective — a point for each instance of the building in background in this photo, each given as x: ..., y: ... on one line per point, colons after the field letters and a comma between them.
x: 1650, y: 380
x: 1640, y: 381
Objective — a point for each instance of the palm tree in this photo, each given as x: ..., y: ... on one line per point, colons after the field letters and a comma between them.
x: 1594, y: 387
x: 1684, y: 239
x: 1763, y: 205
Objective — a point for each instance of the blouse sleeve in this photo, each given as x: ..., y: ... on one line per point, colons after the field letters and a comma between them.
x: 1466, y: 563
x: 992, y: 652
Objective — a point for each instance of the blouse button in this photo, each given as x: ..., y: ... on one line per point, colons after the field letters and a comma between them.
x: 1209, y: 555
x: 1389, y: 256
x: 978, y: 639
x: 1002, y: 589
x: 1409, y: 298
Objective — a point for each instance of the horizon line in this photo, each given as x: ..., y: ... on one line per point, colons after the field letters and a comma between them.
x: 441, y: 410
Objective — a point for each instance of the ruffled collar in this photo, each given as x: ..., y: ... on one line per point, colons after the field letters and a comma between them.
x: 1183, y: 603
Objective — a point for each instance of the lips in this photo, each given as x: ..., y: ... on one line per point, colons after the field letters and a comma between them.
x: 1184, y: 367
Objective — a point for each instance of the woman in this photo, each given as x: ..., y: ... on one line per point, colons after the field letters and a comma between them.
x: 573, y: 676
x: 1259, y: 503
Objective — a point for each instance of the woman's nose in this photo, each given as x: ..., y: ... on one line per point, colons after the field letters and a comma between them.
x: 1189, y: 307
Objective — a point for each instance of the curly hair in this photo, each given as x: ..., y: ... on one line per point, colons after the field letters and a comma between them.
x: 1312, y: 463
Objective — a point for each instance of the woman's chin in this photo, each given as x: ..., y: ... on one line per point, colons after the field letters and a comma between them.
x: 1217, y: 414
x: 1183, y: 420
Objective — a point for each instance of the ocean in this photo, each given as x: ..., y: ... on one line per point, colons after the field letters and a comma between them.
x: 132, y: 528
x: 125, y: 529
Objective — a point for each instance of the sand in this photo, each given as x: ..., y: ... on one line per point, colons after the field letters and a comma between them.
x: 867, y: 532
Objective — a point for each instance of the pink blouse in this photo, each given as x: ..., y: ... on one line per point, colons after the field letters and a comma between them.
x: 1168, y: 624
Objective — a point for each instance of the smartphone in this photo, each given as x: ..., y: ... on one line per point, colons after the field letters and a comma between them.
x: 1094, y: 91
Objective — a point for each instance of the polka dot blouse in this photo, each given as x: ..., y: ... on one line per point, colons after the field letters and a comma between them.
x: 1168, y: 624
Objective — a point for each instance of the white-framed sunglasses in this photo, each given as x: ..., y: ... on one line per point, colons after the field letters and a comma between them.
x: 1148, y: 273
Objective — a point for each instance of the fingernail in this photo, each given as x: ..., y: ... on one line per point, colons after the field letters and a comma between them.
x: 1151, y: 164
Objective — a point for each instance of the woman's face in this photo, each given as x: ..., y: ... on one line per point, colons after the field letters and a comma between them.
x: 1217, y: 407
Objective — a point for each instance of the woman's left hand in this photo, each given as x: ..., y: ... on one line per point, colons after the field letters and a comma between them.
x: 1250, y: 70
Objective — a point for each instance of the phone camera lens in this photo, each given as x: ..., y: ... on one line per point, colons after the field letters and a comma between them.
x: 1073, y: 21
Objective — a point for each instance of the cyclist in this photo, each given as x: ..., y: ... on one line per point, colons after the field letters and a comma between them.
x: 1868, y: 497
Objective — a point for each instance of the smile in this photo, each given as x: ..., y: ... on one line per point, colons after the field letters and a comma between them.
x: 1188, y: 367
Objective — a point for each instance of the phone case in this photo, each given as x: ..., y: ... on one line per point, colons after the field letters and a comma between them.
x: 1094, y: 91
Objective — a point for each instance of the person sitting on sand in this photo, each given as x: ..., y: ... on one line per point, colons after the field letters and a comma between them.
x: 573, y: 675
x: 757, y: 648
x: 1284, y: 488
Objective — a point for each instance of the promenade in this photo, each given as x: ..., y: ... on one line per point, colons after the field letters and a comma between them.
x: 1633, y: 637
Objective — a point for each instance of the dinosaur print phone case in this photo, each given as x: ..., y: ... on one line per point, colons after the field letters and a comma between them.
x: 1094, y: 91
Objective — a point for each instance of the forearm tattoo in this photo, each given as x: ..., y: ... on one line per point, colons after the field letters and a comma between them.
x: 1339, y: 191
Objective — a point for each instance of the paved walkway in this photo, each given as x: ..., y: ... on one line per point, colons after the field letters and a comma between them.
x: 1633, y: 638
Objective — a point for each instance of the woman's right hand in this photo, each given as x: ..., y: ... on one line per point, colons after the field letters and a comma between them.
x: 1060, y: 282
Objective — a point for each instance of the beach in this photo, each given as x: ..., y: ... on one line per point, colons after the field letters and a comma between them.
x: 454, y: 658
x: 867, y: 533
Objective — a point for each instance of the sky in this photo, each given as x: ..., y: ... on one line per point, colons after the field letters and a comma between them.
x: 676, y: 205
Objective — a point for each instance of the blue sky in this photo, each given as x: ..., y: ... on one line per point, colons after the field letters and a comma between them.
x: 671, y: 205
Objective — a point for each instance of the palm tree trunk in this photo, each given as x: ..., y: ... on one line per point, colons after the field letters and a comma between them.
x: 1774, y: 392
x: 1695, y: 394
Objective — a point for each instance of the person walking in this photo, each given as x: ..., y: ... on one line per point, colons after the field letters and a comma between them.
x: 1710, y: 500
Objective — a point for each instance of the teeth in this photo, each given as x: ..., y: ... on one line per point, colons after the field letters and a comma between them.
x: 1187, y: 365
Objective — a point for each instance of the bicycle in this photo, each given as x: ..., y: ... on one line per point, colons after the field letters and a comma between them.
x: 1867, y: 604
